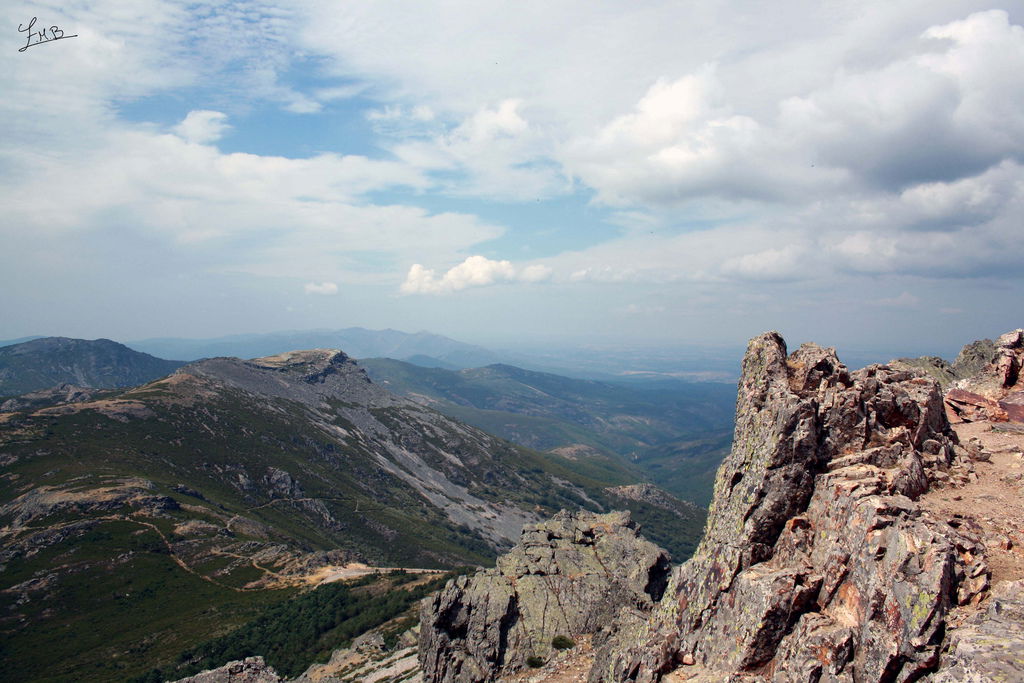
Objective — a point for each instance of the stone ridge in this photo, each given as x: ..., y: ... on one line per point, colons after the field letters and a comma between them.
x: 248, y: 670
x: 567, y: 576
x: 817, y: 564
x: 306, y: 376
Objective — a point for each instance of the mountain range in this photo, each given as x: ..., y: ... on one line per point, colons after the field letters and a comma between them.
x: 137, y: 522
x: 432, y: 350
x: 673, y: 431
x: 357, y: 342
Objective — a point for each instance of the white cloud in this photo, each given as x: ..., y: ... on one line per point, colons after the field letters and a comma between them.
x: 937, y: 116
x: 321, y: 288
x: 300, y: 104
x: 202, y: 126
x: 644, y: 309
x: 783, y: 263
x: 493, y: 153
x: 163, y: 182
x: 475, y: 271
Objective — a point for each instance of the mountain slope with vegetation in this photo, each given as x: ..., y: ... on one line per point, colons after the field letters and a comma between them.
x: 197, y: 500
x: 99, y: 363
x: 673, y: 432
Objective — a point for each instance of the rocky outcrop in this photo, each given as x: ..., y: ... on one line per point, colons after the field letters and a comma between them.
x: 567, y: 576
x: 988, y: 646
x: 937, y: 368
x: 973, y: 358
x: 248, y: 670
x: 368, y: 660
x: 62, y: 393
x: 994, y: 392
x: 817, y: 563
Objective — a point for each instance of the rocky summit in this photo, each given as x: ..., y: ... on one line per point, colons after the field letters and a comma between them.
x: 816, y: 563
x: 820, y: 560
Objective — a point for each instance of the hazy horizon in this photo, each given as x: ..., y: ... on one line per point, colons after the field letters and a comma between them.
x: 517, y: 175
x: 688, y: 358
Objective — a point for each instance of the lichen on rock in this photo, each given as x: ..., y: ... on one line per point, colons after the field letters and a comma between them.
x: 567, y: 576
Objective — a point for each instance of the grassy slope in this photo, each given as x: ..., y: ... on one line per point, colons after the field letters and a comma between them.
x: 687, y: 467
x: 107, y: 619
x: 112, y: 601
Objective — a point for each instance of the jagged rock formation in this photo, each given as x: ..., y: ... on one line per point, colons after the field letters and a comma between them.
x: 972, y: 360
x: 993, y: 391
x: 974, y: 357
x: 567, y: 576
x: 816, y: 563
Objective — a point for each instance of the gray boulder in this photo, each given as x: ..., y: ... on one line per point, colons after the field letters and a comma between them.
x: 566, y: 577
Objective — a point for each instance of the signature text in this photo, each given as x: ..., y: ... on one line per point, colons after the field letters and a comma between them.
x: 39, y: 36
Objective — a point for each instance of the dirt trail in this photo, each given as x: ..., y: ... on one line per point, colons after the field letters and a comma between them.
x: 995, y: 501
x: 568, y: 666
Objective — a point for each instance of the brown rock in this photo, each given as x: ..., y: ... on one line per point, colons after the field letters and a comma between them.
x: 816, y: 562
x: 995, y: 390
x: 1013, y: 405
x: 966, y: 406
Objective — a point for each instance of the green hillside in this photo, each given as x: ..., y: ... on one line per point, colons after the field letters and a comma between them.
x: 147, y: 520
x: 101, y: 363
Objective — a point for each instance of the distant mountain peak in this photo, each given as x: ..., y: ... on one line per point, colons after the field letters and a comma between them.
x: 98, y: 363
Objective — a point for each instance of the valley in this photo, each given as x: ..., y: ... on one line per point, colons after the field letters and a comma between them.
x: 670, y: 431
x: 149, y: 519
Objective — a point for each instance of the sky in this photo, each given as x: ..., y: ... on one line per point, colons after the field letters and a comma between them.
x: 515, y: 173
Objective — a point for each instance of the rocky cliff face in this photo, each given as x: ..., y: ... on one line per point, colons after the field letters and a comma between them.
x: 818, y: 563
x: 566, y: 577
